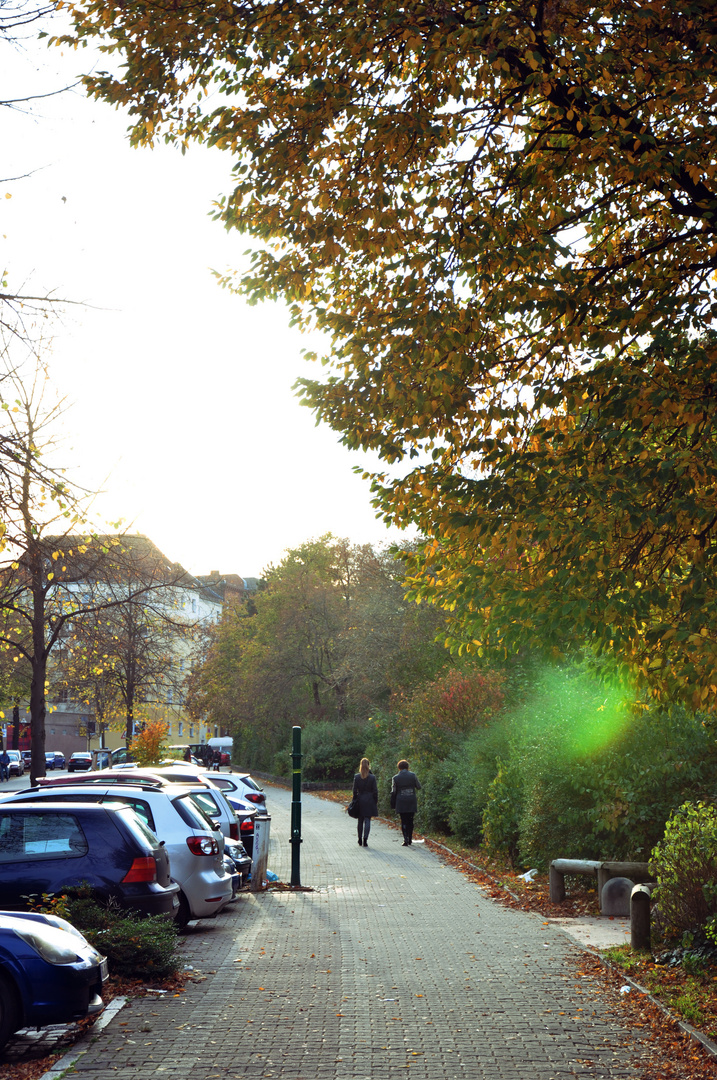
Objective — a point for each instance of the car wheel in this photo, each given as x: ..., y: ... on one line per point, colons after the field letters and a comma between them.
x: 183, y: 913
x: 9, y: 1010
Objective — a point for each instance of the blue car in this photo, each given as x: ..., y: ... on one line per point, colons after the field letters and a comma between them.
x: 49, y: 973
x: 53, y: 847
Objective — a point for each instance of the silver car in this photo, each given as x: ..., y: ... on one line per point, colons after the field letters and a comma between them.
x: 16, y: 765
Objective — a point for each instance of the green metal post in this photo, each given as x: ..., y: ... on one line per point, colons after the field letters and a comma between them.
x: 296, y: 809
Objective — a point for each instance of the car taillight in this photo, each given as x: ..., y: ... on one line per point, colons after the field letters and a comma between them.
x: 234, y: 830
x: 247, y: 825
x: 255, y: 798
x: 202, y: 845
x: 143, y: 868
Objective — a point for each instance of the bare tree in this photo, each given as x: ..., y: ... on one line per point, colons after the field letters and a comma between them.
x: 55, y: 570
x: 20, y: 307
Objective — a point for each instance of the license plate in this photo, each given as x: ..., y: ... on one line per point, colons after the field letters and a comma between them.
x: 104, y: 970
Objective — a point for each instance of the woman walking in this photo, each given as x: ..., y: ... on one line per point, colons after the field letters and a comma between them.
x: 366, y: 794
x: 404, y: 786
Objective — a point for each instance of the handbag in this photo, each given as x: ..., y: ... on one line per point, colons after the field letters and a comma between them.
x: 393, y: 800
x: 353, y: 808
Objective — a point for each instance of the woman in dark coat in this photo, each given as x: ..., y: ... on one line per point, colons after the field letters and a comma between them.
x: 366, y: 793
x: 405, y: 784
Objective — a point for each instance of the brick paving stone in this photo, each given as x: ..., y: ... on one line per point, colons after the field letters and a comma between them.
x: 394, y: 965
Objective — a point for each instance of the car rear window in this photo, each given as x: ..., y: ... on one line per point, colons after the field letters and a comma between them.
x: 208, y: 803
x: 222, y: 782
x: 191, y: 812
x: 140, y: 807
x: 136, y: 823
x: 250, y: 783
x: 40, y: 836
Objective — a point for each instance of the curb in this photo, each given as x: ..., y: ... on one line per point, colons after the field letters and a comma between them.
x: 697, y: 1036
x: 86, y: 1041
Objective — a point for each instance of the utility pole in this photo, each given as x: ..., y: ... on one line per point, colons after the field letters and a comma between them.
x: 295, y: 840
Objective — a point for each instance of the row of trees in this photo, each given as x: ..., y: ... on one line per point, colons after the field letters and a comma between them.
x: 328, y: 638
x: 532, y: 758
x: 502, y: 217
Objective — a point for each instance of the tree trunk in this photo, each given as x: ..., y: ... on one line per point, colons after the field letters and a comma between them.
x: 16, y: 726
x: 38, y: 707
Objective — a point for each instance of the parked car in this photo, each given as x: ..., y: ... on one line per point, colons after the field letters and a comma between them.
x: 236, y: 851
x: 121, y: 756
x: 16, y: 767
x: 80, y: 761
x: 26, y: 756
x: 234, y: 824
x: 233, y: 791
x: 244, y: 786
x: 50, y: 973
x: 49, y: 760
x: 239, y: 783
x: 52, y: 846
x: 59, y: 759
x: 194, y: 846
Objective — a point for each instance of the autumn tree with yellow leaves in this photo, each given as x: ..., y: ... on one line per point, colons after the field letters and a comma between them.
x: 502, y: 215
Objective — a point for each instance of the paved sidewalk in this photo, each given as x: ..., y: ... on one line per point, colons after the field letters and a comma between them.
x: 394, y: 962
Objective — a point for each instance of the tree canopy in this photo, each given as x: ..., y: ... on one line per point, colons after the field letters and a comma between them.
x: 502, y: 215
x: 328, y: 638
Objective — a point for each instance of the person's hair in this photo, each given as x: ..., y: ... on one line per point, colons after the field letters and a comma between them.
x: 364, y: 767
x: 402, y: 764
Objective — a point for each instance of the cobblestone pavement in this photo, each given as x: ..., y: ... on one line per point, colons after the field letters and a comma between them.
x: 393, y: 962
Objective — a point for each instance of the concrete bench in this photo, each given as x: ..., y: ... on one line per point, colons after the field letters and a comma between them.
x: 603, y: 871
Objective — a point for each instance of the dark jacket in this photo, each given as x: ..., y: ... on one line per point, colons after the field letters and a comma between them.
x: 366, y: 791
x: 406, y: 784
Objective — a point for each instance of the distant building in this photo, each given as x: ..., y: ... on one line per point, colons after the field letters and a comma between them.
x: 232, y: 588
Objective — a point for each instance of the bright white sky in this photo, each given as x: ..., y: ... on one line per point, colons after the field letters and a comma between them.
x: 182, y: 408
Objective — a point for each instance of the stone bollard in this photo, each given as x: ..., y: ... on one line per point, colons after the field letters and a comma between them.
x: 640, y: 919
x: 615, y: 897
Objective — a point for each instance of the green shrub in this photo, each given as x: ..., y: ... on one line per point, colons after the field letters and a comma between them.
x: 474, y: 770
x: 332, y: 751
x: 592, y: 778
x: 435, y: 800
x: 501, y: 816
x: 143, y: 948
x: 685, y: 866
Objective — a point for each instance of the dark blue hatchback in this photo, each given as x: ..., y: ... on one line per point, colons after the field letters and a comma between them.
x: 53, y: 847
x: 49, y: 973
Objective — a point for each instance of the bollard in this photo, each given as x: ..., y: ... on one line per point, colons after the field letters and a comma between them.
x: 557, y: 886
x: 260, y: 853
x: 640, y: 919
x: 295, y: 839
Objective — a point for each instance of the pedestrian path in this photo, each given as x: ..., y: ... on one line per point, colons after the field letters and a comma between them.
x: 394, y: 963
